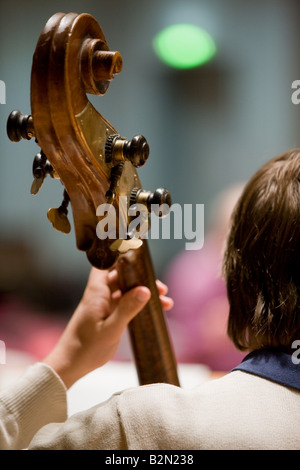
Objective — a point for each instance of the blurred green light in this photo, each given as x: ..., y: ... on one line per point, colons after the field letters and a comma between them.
x: 184, y: 46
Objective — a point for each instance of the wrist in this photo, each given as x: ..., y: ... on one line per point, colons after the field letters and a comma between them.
x: 62, y: 366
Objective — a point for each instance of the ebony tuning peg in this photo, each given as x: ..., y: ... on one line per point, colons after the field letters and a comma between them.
x: 19, y: 126
x: 118, y: 149
x: 41, y: 168
x: 159, y: 201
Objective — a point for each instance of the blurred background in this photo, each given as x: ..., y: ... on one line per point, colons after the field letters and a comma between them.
x: 209, y: 128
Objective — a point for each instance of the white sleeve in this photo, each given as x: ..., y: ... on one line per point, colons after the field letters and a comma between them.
x: 36, y: 399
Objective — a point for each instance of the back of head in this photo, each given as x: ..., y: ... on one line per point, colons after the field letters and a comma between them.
x: 262, y: 258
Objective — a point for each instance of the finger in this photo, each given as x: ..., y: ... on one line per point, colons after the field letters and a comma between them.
x: 130, y: 304
x: 96, y: 275
x: 161, y: 287
x: 113, y: 280
x: 166, y: 302
x: 96, y: 278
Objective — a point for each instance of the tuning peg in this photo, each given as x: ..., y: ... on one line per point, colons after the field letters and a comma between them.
x: 41, y: 167
x: 36, y: 185
x: 19, y: 126
x: 59, y: 217
x: 118, y: 149
x: 122, y: 246
x: 115, y: 175
x: 59, y: 220
x: 158, y: 201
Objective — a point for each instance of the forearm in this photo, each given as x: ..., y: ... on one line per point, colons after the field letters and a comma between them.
x: 38, y: 398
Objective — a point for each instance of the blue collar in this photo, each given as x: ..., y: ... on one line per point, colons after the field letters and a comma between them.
x: 272, y: 364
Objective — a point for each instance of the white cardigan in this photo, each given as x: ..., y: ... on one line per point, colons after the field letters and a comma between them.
x: 238, y: 411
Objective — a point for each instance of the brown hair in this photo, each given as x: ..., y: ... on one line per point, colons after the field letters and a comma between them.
x: 262, y: 258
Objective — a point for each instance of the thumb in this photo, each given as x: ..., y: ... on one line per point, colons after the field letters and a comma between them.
x: 131, y: 303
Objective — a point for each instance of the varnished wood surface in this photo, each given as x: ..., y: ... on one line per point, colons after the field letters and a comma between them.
x: 68, y: 64
x: 150, y: 340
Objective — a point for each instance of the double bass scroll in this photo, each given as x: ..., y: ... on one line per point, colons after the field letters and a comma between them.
x: 96, y: 167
